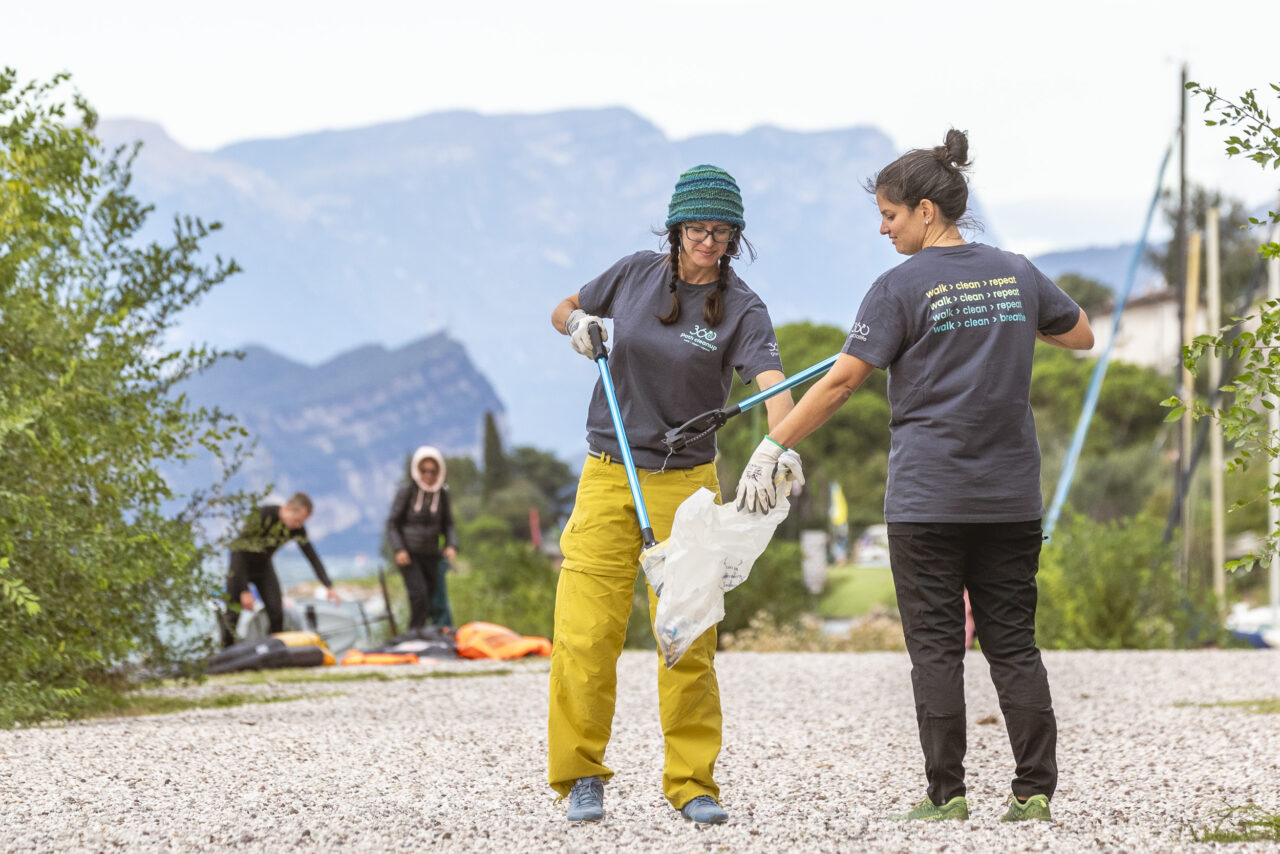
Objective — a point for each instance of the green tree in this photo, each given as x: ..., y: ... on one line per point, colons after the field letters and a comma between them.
x: 495, y: 475
x: 1113, y: 586
x: 100, y: 562
x: 850, y: 449
x: 550, y: 475
x: 1114, y: 477
x: 1239, y: 248
x: 1089, y: 294
x: 1255, y: 386
x: 508, y: 583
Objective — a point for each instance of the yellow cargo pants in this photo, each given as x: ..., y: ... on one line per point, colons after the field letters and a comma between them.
x: 601, y: 546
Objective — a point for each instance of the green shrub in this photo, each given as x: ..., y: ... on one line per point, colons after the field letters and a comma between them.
x: 100, y: 562
x: 878, y: 631
x: 775, y: 586
x: 511, y: 584
x: 1113, y: 586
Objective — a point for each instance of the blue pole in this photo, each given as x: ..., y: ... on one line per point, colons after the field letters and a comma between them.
x: 1100, y: 369
x: 790, y: 382
x: 633, y: 480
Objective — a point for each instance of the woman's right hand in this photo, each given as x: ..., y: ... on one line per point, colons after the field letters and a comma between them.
x: 402, y: 558
x: 578, y: 326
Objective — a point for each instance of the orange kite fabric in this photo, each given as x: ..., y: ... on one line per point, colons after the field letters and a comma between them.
x: 486, y: 640
x: 355, y: 656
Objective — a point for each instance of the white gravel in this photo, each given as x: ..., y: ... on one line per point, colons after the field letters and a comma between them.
x: 818, y: 749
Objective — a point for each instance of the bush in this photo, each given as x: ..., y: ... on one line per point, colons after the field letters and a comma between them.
x: 1113, y: 586
x: 775, y: 586
x: 98, y: 570
x: 511, y: 584
x: 879, y: 631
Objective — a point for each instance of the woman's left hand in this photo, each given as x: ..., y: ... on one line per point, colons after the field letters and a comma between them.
x: 450, y: 552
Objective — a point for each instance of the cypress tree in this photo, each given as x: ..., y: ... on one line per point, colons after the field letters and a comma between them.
x: 496, y: 474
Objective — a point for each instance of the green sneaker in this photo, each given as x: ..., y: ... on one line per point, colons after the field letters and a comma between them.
x: 1035, y: 807
x: 957, y: 808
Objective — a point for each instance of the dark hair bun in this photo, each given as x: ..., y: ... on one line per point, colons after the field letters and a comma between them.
x: 955, y: 152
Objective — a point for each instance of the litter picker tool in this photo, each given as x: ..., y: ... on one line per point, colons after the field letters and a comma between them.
x: 701, y: 426
x: 601, y: 356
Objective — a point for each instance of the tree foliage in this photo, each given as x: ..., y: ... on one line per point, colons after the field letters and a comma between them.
x: 529, y: 479
x: 1089, y: 294
x: 850, y: 449
x: 98, y: 558
x: 1113, y: 586
x: 1253, y: 341
x: 494, y: 476
x: 1237, y: 245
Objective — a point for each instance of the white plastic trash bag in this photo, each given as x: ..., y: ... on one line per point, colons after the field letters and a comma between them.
x: 711, y: 550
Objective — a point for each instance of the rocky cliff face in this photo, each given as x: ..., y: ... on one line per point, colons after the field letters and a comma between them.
x: 342, y: 431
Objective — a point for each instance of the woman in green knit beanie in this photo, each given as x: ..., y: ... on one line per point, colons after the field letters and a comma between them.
x: 683, y: 324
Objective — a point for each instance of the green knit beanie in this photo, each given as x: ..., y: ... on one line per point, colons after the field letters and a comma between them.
x: 706, y: 193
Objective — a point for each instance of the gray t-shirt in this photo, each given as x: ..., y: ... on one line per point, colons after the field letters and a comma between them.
x: 956, y: 327
x: 665, y: 375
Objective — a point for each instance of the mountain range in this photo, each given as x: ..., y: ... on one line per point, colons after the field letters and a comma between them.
x: 478, y: 225
x: 342, y: 431
x: 399, y: 279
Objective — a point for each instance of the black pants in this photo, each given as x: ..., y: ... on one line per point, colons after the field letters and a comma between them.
x: 421, y: 580
x: 246, y: 569
x: 932, y: 565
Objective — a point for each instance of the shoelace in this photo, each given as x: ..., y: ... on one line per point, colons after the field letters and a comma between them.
x: 587, y: 793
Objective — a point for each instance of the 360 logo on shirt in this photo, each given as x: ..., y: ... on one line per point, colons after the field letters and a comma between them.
x: 700, y: 337
x: 860, y: 331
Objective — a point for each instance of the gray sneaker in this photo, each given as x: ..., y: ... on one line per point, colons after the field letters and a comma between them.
x: 586, y: 800
x: 704, y: 810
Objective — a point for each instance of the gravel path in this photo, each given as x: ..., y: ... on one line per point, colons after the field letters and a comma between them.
x: 818, y: 749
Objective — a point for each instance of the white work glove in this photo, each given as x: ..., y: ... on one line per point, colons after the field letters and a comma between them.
x: 577, y: 326
x: 770, y: 465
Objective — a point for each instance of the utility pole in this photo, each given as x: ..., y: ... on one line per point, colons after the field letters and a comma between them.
x: 1213, y: 282
x: 1273, y: 423
x: 1190, y: 304
x: 1179, y: 283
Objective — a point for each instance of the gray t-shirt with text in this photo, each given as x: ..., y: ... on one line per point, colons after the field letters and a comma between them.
x: 956, y: 328
x: 665, y: 375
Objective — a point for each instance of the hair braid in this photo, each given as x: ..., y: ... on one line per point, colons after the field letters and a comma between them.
x: 713, y: 308
x: 673, y: 261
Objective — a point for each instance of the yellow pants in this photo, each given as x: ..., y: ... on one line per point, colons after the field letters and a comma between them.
x: 601, y: 546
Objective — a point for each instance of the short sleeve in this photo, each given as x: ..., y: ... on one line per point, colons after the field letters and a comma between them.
x: 598, y: 295
x: 1058, y: 312
x: 879, y: 333
x: 755, y: 347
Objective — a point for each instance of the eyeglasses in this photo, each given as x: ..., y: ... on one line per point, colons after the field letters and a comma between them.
x: 697, y: 234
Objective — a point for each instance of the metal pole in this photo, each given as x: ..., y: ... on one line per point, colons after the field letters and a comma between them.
x: 1273, y: 423
x: 1104, y: 359
x: 1191, y: 301
x: 1179, y: 280
x: 1216, y: 492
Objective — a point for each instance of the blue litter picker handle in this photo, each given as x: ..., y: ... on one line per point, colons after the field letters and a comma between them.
x: 601, y: 355
x: 701, y: 426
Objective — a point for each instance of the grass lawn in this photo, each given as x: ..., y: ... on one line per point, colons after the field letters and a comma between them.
x: 854, y: 590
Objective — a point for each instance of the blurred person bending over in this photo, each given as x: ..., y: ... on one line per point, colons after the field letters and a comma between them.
x: 267, y: 529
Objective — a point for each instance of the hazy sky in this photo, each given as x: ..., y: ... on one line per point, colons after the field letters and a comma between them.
x: 1068, y: 110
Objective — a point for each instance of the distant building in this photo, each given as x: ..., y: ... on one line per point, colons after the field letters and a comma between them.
x: 1149, y: 332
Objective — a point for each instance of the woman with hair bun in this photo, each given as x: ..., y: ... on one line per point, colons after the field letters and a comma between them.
x: 955, y: 326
